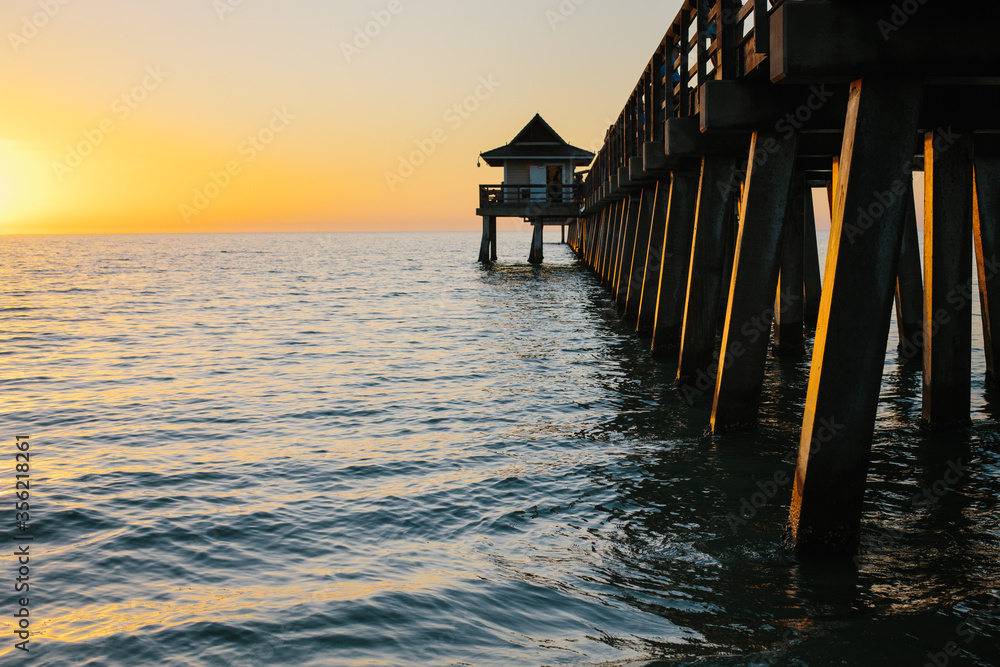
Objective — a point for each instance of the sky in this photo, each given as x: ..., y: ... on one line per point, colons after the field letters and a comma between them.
x: 126, y: 116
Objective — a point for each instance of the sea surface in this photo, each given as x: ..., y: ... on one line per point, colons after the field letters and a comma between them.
x: 367, y: 449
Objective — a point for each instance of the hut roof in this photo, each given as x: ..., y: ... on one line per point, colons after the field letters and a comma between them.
x: 536, y: 141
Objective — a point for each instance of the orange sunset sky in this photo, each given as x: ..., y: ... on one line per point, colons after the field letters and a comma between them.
x: 260, y: 115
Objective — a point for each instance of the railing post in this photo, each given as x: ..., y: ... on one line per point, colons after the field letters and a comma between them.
x: 657, y: 96
x: 761, y: 27
x: 726, y: 24
x: 683, y: 67
x: 649, y: 113
x: 702, y: 29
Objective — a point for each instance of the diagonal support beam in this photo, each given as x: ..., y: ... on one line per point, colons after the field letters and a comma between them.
x: 811, y: 266
x: 651, y: 282
x: 910, y: 290
x: 630, y: 225
x: 858, y: 290
x: 675, y: 254
x: 640, y: 252
x: 755, y: 280
x: 717, y: 184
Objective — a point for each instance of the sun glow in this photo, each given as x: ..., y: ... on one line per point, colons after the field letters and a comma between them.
x: 21, y: 186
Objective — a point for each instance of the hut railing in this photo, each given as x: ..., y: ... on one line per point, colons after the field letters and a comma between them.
x: 499, y: 195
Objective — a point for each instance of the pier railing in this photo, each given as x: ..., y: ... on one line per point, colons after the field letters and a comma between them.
x: 708, y: 40
x: 499, y: 195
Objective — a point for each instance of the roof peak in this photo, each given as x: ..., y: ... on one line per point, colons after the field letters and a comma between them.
x: 537, y: 131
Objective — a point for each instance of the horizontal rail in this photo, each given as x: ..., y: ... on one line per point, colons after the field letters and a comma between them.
x: 552, y: 193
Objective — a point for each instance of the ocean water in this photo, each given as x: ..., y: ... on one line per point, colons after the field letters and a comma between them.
x: 366, y: 449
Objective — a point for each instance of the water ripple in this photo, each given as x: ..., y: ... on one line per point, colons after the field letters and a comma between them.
x: 367, y: 449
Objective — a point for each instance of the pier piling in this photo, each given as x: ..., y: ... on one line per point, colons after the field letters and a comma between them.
x: 789, y: 309
x: 858, y: 292
x: 750, y: 310
x: 652, y: 282
x: 640, y: 253
x: 910, y: 289
x: 487, y: 242
x: 630, y: 225
x: 986, y: 217
x: 824, y: 99
x: 717, y: 183
x: 536, y: 255
x: 675, y: 264
x: 948, y: 174
x: 811, y: 266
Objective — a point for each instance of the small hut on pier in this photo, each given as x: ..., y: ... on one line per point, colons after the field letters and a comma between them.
x: 538, y: 185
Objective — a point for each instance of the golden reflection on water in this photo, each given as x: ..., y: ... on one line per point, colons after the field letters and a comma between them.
x: 215, y: 605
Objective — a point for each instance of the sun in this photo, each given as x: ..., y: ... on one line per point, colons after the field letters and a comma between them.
x: 22, y: 186
x: 6, y: 177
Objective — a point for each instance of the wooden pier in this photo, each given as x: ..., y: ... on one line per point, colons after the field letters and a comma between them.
x: 698, y: 214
